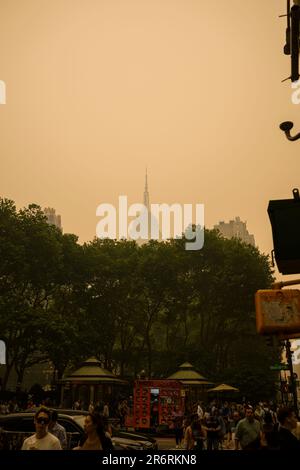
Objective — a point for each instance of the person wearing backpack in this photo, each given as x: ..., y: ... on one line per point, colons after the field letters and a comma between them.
x: 212, y: 426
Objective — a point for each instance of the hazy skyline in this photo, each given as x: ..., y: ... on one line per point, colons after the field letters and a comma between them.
x: 99, y: 89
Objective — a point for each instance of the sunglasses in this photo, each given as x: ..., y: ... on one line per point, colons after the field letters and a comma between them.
x: 42, y: 420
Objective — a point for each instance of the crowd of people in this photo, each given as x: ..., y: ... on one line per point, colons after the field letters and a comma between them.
x: 10, y: 406
x: 214, y: 426
x: 217, y: 426
x: 231, y: 426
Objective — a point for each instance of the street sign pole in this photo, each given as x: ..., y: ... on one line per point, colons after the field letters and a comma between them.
x: 281, y: 388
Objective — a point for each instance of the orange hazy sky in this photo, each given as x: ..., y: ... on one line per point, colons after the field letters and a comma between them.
x: 99, y: 89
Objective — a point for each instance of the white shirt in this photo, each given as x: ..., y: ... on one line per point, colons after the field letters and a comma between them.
x: 200, y: 412
x: 49, y: 442
x: 296, y: 431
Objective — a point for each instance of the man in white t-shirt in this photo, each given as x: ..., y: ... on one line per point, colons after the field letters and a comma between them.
x: 42, y: 439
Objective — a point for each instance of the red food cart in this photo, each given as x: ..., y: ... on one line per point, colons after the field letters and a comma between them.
x: 156, y: 402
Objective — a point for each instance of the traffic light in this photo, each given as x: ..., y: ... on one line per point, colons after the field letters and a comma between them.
x: 278, y: 312
x: 284, y: 216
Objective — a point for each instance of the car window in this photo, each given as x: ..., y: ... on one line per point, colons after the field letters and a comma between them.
x: 80, y: 420
x: 74, y: 432
x: 68, y: 425
x: 17, y: 424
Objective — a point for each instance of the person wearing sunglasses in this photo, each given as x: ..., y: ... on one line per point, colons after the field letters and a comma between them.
x: 42, y: 439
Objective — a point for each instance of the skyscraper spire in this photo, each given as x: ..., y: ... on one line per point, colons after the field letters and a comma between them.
x: 146, y: 194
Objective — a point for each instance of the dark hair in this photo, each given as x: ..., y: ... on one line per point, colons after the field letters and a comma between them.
x: 284, y: 412
x: 54, y: 415
x: 43, y: 409
x: 268, y: 417
x: 97, y: 420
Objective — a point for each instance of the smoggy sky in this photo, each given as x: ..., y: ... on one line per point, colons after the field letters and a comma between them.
x: 99, y: 89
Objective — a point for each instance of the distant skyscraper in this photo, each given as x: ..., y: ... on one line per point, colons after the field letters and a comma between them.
x: 235, y: 229
x: 151, y: 219
x: 52, y: 218
x: 146, y: 194
x: 146, y: 202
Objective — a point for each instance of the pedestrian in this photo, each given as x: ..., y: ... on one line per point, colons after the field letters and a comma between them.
x: 248, y: 432
x: 58, y: 430
x: 123, y: 412
x: 231, y: 429
x: 91, y: 407
x: 287, y: 423
x: 77, y: 405
x: 42, y: 439
x: 212, y: 426
x: 189, y: 440
x: 95, y: 436
x: 178, y: 429
x: 269, y: 439
x: 199, y: 434
x: 106, y: 410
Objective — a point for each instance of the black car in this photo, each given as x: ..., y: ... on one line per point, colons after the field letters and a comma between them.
x: 14, y: 428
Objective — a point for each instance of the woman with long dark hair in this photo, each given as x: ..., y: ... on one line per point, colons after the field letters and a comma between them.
x: 95, y: 436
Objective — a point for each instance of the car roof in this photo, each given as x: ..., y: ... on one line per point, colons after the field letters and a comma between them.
x: 70, y: 412
x: 66, y: 411
x: 27, y: 414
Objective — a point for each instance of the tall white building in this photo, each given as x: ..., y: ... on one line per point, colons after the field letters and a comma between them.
x: 146, y: 202
x: 52, y: 217
x: 152, y: 221
x: 235, y: 229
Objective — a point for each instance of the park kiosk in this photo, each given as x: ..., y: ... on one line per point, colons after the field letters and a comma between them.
x: 194, y: 384
x: 90, y: 383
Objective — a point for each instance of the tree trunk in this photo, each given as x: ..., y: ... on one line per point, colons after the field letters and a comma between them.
x: 7, y: 372
x: 149, y: 355
x: 20, y: 376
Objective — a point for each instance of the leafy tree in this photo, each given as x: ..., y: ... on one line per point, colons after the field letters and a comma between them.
x: 30, y: 259
x: 134, y: 307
